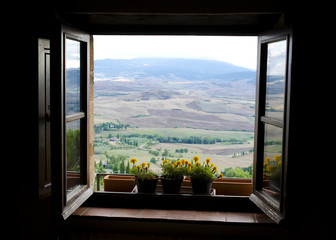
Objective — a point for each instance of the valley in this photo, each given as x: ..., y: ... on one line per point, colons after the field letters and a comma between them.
x: 166, y: 102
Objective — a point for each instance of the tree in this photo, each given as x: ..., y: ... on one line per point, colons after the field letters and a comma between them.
x: 127, y: 170
x: 165, y: 153
x: 153, y: 160
x: 99, y: 168
x: 115, y: 168
x: 230, y: 173
x: 122, y: 167
x: 73, y: 150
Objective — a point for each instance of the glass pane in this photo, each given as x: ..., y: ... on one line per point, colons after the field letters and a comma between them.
x: 272, y: 161
x: 73, y: 156
x: 275, y: 81
x: 72, y: 76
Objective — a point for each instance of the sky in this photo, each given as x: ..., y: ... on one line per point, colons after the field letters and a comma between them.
x: 72, y: 55
x: 276, y: 58
x: 240, y: 51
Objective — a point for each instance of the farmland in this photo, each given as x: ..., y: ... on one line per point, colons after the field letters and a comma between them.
x: 156, y: 116
x: 224, y: 154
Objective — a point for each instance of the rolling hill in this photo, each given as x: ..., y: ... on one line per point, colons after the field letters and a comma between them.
x: 157, y: 92
x: 124, y: 76
x: 169, y: 68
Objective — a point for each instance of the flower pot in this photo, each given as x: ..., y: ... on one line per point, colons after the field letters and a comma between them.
x: 118, y: 183
x: 146, y: 185
x: 171, y: 185
x: 201, y: 186
x: 233, y: 186
x: 275, y: 183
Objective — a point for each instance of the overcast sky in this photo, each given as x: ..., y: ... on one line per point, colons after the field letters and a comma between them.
x: 240, y: 51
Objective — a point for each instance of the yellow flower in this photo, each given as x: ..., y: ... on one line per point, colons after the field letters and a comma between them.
x: 267, y: 160
x: 148, y: 164
x: 143, y: 164
x: 165, y: 161
x: 183, y: 161
x: 279, y: 163
x: 214, y: 169
x: 133, y: 160
x: 197, y: 164
x: 220, y: 175
x: 207, y: 160
x: 276, y: 157
x: 138, y: 167
x: 196, y: 158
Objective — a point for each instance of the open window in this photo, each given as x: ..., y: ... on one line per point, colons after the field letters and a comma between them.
x: 74, y: 131
x: 71, y: 107
x: 272, y: 123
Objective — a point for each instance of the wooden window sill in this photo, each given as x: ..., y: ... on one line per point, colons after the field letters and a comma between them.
x: 173, y: 215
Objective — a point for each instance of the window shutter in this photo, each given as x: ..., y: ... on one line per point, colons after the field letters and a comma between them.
x: 44, y: 118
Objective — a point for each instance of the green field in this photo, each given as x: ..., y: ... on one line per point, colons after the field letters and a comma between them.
x: 123, y: 146
x: 210, y: 122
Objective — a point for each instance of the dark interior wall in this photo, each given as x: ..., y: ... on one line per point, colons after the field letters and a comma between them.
x: 33, y: 20
x: 305, y: 209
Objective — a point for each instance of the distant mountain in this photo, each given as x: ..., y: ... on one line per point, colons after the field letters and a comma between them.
x: 172, y: 92
x: 170, y: 69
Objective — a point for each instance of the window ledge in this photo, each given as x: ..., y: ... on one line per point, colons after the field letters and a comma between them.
x: 173, y: 215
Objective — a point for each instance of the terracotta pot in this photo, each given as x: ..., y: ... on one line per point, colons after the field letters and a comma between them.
x: 119, y: 183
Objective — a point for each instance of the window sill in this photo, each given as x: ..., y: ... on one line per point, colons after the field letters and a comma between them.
x: 172, y: 215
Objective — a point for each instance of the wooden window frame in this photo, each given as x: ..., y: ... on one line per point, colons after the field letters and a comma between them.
x: 44, y: 118
x: 276, y: 210
x: 122, y: 199
x: 65, y: 207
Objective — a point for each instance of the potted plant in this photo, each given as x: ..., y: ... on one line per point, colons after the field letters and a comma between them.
x: 202, y: 176
x: 145, y: 179
x: 272, y: 171
x: 173, y: 173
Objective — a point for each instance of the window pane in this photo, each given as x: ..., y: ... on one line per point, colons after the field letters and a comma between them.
x: 73, y: 156
x: 276, y: 76
x: 72, y: 76
x: 272, y: 160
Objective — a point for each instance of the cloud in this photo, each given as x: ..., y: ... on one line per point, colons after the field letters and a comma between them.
x: 276, y: 59
x: 241, y: 51
x: 72, y: 54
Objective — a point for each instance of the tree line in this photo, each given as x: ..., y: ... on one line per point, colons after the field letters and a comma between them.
x: 110, y: 126
x: 128, y: 138
x: 114, y: 162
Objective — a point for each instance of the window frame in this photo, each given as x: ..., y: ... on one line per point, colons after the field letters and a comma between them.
x: 44, y: 118
x: 252, y: 203
x: 275, y: 210
x: 82, y: 115
x: 65, y: 207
